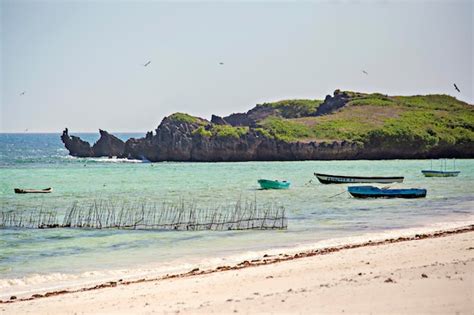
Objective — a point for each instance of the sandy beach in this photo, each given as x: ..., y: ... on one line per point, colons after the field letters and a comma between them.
x: 419, y: 275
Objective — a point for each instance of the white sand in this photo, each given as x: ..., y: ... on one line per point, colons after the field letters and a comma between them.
x: 348, y: 281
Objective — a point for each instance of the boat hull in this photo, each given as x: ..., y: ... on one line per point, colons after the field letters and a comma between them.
x: 339, y: 179
x: 374, y: 192
x: 273, y: 184
x: 33, y: 191
x: 430, y: 173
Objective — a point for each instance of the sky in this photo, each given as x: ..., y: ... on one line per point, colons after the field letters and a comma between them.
x: 81, y: 63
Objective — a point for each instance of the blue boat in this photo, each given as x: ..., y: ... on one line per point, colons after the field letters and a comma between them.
x: 273, y: 184
x: 375, y: 192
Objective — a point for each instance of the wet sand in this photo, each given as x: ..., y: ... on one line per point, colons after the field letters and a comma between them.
x: 429, y: 273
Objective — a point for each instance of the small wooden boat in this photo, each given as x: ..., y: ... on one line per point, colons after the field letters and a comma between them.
x: 431, y: 173
x: 339, y: 179
x: 375, y: 192
x: 273, y: 184
x: 33, y: 191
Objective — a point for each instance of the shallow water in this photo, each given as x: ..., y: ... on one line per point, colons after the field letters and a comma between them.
x: 315, y: 212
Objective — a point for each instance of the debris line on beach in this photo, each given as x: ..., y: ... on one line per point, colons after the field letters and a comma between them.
x: 146, y: 215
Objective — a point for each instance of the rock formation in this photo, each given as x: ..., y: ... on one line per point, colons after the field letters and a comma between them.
x: 175, y: 141
x: 75, y: 145
x: 107, y: 145
x: 333, y: 103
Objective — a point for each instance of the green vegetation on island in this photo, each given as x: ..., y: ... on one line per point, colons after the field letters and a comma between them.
x: 186, y: 118
x: 425, y: 120
x: 221, y: 131
x: 294, y: 108
x: 364, y: 118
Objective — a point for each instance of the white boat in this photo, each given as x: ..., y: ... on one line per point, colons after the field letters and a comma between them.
x: 431, y: 173
x: 340, y: 179
x: 441, y: 172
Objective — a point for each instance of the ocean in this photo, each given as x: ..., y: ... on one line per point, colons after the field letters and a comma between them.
x: 316, y: 212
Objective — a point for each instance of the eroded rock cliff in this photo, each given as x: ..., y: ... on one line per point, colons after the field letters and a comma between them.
x: 107, y: 145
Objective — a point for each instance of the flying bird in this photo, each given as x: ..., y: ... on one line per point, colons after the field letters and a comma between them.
x: 146, y: 64
x: 22, y: 93
x: 456, y: 87
x: 221, y: 63
x: 365, y: 72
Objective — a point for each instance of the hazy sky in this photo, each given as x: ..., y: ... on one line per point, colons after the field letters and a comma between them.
x: 80, y: 63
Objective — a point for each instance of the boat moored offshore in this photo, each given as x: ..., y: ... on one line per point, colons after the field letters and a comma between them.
x: 431, y: 173
x: 33, y: 191
x: 375, y: 192
x: 341, y: 179
x: 443, y: 172
x: 273, y: 184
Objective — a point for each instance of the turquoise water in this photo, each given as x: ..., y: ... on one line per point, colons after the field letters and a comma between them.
x: 314, y: 212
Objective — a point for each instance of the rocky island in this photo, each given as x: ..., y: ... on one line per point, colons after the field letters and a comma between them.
x: 347, y: 125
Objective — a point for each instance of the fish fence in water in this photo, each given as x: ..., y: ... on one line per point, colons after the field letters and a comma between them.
x: 103, y: 214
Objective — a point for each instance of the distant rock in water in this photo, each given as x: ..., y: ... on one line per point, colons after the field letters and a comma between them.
x: 75, y: 145
x: 348, y: 125
x: 107, y: 145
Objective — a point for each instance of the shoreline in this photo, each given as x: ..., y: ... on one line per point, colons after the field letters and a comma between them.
x: 287, y: 255
x: 40, y: 283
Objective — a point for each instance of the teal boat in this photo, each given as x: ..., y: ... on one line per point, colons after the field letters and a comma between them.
x: 273, y: 184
